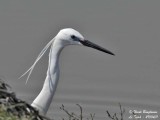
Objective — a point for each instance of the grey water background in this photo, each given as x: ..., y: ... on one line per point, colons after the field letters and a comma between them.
x: 97, y: 81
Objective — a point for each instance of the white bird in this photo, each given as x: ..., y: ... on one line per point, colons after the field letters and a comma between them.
x: 67, y: 36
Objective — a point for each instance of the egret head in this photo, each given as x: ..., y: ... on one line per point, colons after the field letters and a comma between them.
x: 69, y: 36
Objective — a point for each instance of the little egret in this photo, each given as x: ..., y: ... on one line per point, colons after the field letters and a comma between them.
x: 67, y: 36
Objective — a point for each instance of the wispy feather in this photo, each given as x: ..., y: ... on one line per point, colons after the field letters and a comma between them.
x: 29, y: 71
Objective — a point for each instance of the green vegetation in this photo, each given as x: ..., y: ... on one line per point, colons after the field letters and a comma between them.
x: 12, y: 108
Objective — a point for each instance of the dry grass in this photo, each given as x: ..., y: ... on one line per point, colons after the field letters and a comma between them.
x: 73, y: 116
x: 12, y: 108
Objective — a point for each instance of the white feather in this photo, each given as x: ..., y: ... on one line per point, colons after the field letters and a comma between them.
x: 38, y: 58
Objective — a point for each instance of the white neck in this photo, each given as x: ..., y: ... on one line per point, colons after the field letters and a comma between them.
x: 44, y: 99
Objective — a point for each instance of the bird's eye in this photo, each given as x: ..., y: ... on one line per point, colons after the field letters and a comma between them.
x: 73, y: 36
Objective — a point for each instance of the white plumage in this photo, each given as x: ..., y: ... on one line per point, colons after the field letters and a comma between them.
x: 67, y: 36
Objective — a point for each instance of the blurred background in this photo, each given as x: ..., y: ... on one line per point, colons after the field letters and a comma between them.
x: 95, y: 80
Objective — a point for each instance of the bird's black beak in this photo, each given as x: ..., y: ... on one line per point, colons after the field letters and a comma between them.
x: 93, y: 45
